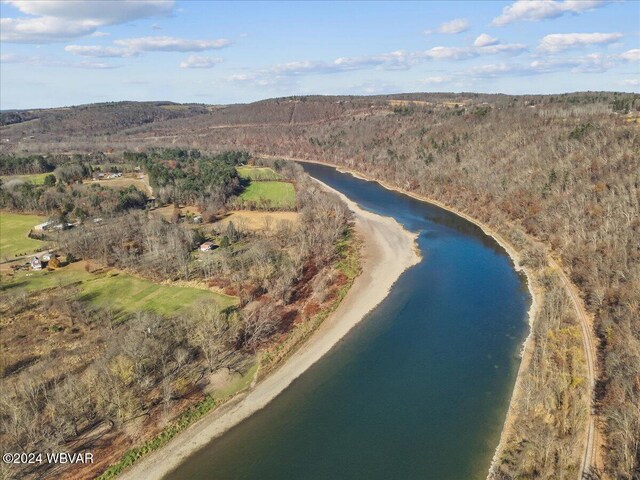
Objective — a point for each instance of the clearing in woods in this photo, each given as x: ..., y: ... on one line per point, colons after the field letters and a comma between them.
x: 278, y: 195
x: 258, y: 173
x: 14, y: 230
x: 35, y: 178
x: 114, y: 289
x: 141, y: 184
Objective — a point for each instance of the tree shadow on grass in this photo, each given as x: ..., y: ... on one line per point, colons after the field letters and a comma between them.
x: 4, y: 287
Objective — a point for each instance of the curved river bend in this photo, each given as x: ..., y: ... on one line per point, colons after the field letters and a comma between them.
x: 418, y: 390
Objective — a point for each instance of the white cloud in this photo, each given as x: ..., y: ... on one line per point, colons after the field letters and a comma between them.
x: 171, y: 44
x: 631, y: 55
x: 10, y: 58
x: 457, y: 25
x: 240, y: 77
x: 43, y: 29
x: 436, y: 80
x: 52, y: 62
x: 285, y: 75
x: 511, y: 48
x: 194, y: 61
x: 463, y: 53
x: 130, y: 47
x: 484, y: 40
x: 448, y: 53
x: 102, y: 11
x: 91, y: 65
x: 592, y: 63
x: 536, y: 10
x: 634, y: 82
x: 297, y: 68
x: 493, y: 70
x: 563, y: 41
x: 98, y: 34
x: 398, y: 60
x: 99, y: 52
x: 55, y: 21
x: 264, y: 81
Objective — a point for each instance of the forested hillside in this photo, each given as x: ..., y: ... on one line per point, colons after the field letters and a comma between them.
x: 557, y: 175
x: 91, y: 120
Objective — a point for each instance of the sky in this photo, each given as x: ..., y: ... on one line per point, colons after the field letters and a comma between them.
x: 61, y: 53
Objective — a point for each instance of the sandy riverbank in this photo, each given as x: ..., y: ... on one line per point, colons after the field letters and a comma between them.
x: 388, y: 251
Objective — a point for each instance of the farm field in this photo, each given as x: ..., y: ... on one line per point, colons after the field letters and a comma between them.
x: 254, y: 221
x: 279, y: 195
x: 258, y: 173
x: 36, y: 178
x: 119, y: 291
x: 13, y: 234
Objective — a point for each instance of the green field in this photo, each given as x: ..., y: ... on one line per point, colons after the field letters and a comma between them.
x: 36, y: 178
x: 13, y: 234
x: 119, y: 291
x: 279, y: 195
x: 258, y: 173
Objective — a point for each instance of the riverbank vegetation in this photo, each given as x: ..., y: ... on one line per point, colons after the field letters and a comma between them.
x: 550, y: 409
x: 133, y: 325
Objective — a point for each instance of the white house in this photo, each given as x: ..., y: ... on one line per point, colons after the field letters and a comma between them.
x: 206, y: 246
x: 42, y: 227
x: 36, y: 264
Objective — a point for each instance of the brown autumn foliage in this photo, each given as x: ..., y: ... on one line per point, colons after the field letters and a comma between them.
x: 77, y: 376
x: 562, y: 170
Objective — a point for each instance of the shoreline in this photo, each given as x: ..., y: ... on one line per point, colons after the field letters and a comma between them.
x: 527, y: 346
x: 388, y: 251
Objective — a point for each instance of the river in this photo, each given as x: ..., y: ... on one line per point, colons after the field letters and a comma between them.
x: 418, y: 390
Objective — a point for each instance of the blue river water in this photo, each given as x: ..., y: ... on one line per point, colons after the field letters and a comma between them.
x: 418, y: 390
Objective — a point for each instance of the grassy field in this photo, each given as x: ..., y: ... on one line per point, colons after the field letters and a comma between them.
x: 258, y: 173
x: 36, y: 178
x: 13, y: 234
x: 272, y: 194
x: 119, y: 291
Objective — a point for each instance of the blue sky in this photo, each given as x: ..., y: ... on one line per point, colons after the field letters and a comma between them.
x: 57, y: 53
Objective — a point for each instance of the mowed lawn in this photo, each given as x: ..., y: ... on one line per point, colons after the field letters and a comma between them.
x: 14, y: 229
x: 274, y: 194
x: 119, y: 291
x: 258, y: 173
x: 36, y: 178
